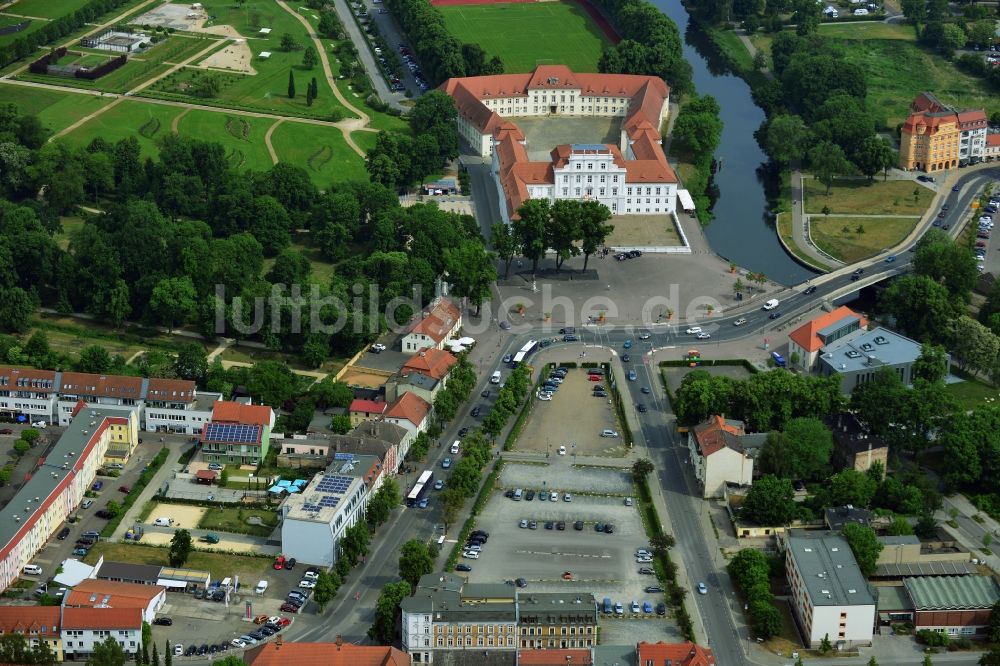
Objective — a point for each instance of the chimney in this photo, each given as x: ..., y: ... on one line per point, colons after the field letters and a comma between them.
x: 339, y: 642
x: 277, y: 642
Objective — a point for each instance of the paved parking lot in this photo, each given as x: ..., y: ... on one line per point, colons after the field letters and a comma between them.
x: 574, y: 418
x: 562, y: 475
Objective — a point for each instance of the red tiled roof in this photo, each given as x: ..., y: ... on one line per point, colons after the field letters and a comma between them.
x: 711, y: 435
x: 30, y: 620
x: 439, y: 321
x: 432, y: 362
x: 102, y: 618
x: 928, y: 114
x: 279, y: 653
x: 170, y: 390
x: 993, y: 139
x: 237, y: 412
x: 410, y: 407
x: 927, y: 102
x: 558, y: 657
x: 92, y: 593
x: 207, y: 474
x: 359, y: 406
x: 106, y: 386
x: 678, y: 654
x: 27, y: 376
x: 807, y: 335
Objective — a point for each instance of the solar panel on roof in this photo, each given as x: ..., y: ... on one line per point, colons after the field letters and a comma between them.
x: 334, y: 484
x: 232, y: 432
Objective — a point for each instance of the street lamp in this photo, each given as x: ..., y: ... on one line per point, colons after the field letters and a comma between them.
x: 249, y: 480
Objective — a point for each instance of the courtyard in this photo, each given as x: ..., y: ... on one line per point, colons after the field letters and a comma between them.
x: 543, y: 133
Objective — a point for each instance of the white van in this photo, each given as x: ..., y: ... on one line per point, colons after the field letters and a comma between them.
x: 495, y: 378
x: 771, y: 304
x: 163, y: 522
x: 32, y: 570
x: 261, y: 587
x: 454, y: 447
x: 861, y: 12
x: 518, y: 494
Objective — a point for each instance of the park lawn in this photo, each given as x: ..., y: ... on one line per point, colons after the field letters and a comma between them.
x: 762, y: 42
x: 50, y: 9
x: 366, y: 140
x: 69, y: 226
x: 528, y: 34
x: 730, y: 43
x: 57, y: 110
x: 233, y: 519
x: 896, y: 71
x: 321, y: 151
x: 877, y: 30
x: 146, y: 122
x: 218, y: 564
x: 14, y: 36
x: 242, y: 136
x: 972, y: 393
x: 880, y: 234
x: 860, y: 197
x: 321, y: 271
x: 783, y: 227
x: 66, y: 342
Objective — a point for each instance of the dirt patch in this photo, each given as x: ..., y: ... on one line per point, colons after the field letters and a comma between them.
x: 235, y: 57
x: 182, y: 17
x: 187, y: 517
x: 156, y: 539
x: 360, y: 378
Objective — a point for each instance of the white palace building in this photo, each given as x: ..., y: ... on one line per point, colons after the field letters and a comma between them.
x: 632, y: 177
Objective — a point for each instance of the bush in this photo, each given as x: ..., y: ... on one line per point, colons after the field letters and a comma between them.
x: 932, y: 638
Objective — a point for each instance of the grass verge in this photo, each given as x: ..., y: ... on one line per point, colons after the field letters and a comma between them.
x: 839, y: 237
x: 860, y: 197
x: 784, y: 230
x: 219, y: 564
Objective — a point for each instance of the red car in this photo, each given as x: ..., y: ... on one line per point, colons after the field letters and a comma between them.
x: 6, y: 431
x: 289, y: 608
x: 279, y: 562
x: 594, y: 378
x: 124, y: 489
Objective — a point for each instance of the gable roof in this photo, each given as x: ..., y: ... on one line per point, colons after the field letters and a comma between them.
x: 430, y: 361
x: 711, y: 435
x: 170, y: 390
x: 807, y: 335
x: 280, y: 653
x: 951, y: 592
x: 409, y: 407
x: 678, y: 654
x: 359, y: 406
x: 104, y: 386
x: 96, y: 593
x: 237, y: 412
x: 37, y: 620
x: 102, y: 618
x: 438, y: 321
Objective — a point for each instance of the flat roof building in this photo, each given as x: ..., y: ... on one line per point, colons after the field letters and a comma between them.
x: 857, y: 359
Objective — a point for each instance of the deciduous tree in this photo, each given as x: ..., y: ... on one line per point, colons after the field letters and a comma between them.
x: 180, y: 548
x: 414, y: 561
x: 865, y: 546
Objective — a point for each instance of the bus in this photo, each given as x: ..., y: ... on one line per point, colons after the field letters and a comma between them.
x: 420, y: 488
x: 526, y: 350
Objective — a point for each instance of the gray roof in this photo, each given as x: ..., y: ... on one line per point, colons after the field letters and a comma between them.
x: 478, y: 657
x: 852, y: 436
x: 614, y: 655
x: 902, y: 539
x: 487, y: 591
x: 883, y: 346
x: 951, y: 592
x: 835, y: 326
x: 893, y: 598
x: 441, y: 580
x: 128, y: 571
x: 553, y: 608
x: 839, y: 516
x: 379, y: 430
x: 943, y: 568
x: 829, y: 571
x: 59, y: 465
x: 418, y: 379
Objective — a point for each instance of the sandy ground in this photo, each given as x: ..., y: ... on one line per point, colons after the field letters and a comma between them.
x: 235, y: 57
x: 224, y: 545
x: 184, y: 516
x: 360, y: 378
x: 176, y: 16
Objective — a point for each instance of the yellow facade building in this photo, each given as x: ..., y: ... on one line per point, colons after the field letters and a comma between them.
x: 937, y: 137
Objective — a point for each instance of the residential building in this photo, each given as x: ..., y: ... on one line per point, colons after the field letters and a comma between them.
x: 676, y: 654
x: 805, y: 342
x: 365, y: 410
x: 412, y: 413
x: 175, y: 405
x: 126, y: 572
x: 936, y: 136
x: 992, y: 146
x: 438, y: 322
x: 56, y: 488
x: 337, y: 653
x: 314, y: 521
x: 425, y: 373
x: 723, y: 452
x: 857, y: 359
x: 557, y: 620
x: 446, y: 613
x: 29, y: 392
x: 123, y: 435
x: 854, y: 445
x: 111, y: 392
x: 94, y: 593
x: 829, y: 595
x: 239, y: 433
x: 38, y: 624
x: 83, y: 628
x: 956, y: 605
x: 556, y: 657
x: 838, y: 517
x: 632, y: 177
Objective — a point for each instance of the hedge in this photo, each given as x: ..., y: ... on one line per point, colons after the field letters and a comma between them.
x: 616, y: 399
x: 102, y: 69
x: 41, y: 66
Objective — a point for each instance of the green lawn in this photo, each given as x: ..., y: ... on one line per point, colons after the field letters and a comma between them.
x: 242, y: 136
x: 880, y: 233
x: 14, y: 36
x: 877, y: 30
x: 321, y: 151
x: 731, y: 44
x: 230, y: 519
x: 219, y: 565
x: 146, y: 122
x: 528, y: 34
x: 897, y: 71
x: 859, y: 197
x: 972, y: 393
x: 51, y: 9
x: 56, y: 110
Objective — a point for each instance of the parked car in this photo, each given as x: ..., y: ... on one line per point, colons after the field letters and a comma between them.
x: 163, y: 621
x: 63, y: 533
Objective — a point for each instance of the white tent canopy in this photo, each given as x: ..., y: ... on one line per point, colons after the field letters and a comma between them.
x: 687, y: 203
x: 466, y: 341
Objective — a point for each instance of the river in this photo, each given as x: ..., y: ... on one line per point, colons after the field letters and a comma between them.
x: 740, y: 231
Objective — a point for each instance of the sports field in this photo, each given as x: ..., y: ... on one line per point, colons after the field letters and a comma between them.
x: 528, y: 34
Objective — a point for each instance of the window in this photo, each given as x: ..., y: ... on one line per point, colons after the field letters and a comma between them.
x: 590, y: 179
x: 602, y: 192
x: 578, y: 191
x: 578, y: 178
x: 565, y: 191
x: 602, y: 177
